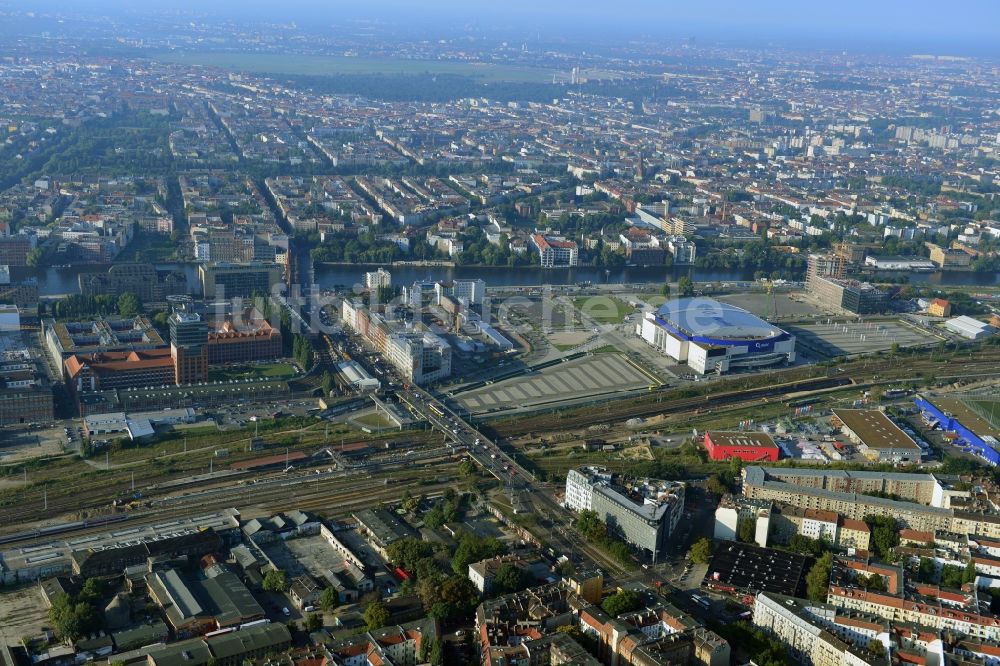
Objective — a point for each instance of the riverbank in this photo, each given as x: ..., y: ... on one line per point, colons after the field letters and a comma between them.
x: 61, y: 281
x: 424, y: 263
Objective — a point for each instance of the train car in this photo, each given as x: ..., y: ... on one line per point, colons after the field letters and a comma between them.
x: 279, y: 460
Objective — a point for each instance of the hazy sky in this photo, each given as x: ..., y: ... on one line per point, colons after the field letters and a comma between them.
x: 916, y: 25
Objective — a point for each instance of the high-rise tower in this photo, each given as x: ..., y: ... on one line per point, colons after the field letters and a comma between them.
x: 189, y: 347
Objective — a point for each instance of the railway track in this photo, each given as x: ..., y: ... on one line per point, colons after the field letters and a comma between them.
x: 73, y: 502
x: 334, y: 497
x: 678, y: 405
x: 871, y: 371
x: 75, y: 499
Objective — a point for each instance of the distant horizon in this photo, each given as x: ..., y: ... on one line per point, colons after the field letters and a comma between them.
x: 963, y: 27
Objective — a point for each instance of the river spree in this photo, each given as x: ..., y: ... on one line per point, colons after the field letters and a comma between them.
x: 64, y: 280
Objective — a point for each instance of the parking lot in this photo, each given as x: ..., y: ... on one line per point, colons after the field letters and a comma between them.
x: 580, y: 378
x: 545, y: 313
x: 24, y: 443
x: 831, y: 338
x: 242, y: 414
x: 783, y: 306
x: 22, y: 613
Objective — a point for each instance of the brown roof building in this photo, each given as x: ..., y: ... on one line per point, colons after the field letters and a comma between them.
x: 119, y: 369
x: 877, y: 437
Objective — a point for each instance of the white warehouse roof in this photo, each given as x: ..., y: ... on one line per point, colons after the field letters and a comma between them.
x: 968, y: 327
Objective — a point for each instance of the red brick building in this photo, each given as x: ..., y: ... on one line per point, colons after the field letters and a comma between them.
x: 232, y: 345
x: 747, y: 446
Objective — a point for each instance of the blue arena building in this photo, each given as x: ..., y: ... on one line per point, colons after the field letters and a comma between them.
x: 711, y: 336
x: 983, y: 446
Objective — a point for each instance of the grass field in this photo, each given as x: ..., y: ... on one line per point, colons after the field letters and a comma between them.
x: 654, y: 300
x: 268, y: 63
x: 988, y: 409
x: 603, y: 309
x: 376, y: 420
x: 266, y: 370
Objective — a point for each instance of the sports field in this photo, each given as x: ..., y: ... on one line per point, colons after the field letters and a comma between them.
x: 276, y: 63
x: 988, y: 410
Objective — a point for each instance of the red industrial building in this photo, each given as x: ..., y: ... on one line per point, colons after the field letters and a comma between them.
x: 747, y: 446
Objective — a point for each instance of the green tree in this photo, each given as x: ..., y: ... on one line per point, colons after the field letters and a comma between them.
x: 926, y: 570
x: 162, y: 320
x: 91, y: 592
x: 408, y: 552
x: 735, y: 467
x: 685, y: 287
x: 72, y: 618
x: 473, y: 548
x: 455, y: 596
x: 622, y: 601
x: 754, y: 642
x: 446, y: 510
x: 720, y: 483
x: 376, y: 616
x: 34, y: 256
x: 818, y: 578
x: 460, y: 592
x: 952, y: 577
x: 873, y: 582
x: 590, y: 524
x: 409, y: 503
x: 129, y: 304
x: 328, y: 599
x: 313, y: 622
x: 701, y: 551
x: 746, y: 529
x: 969, y: 575
x: 510, y: 578
x: 436, y: 655
x: 275, y: 581
x: 620, y: 550
x: 885, y: 534
x: 328, y: 383
x: 805, y: 545
x: 302, y: 351
x: 665, y: 290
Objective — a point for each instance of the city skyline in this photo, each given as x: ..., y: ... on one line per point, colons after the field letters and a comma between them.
x: 923, y: 26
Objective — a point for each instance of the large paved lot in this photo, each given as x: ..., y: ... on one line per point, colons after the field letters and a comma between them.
x: 831, y: 338
x: 22, y: 613
x: 21, y: 444
x: 583, y: 377
x: 787, y: 306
